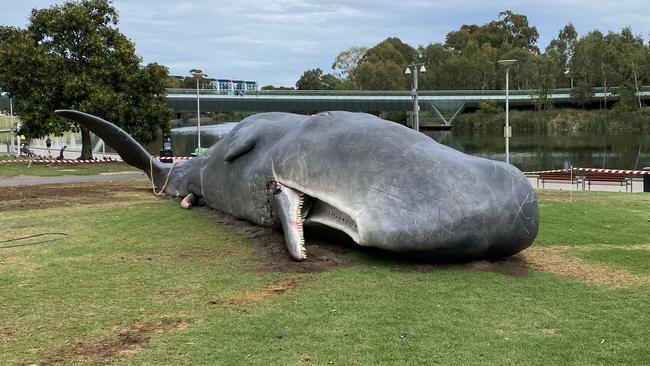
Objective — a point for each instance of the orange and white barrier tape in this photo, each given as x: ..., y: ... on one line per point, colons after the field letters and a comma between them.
x: 174, y: 157
x: 614, y: 171
x: 596, y: 170
x: 64, y: 161
x: 78, y: 161
x: 549, y: 171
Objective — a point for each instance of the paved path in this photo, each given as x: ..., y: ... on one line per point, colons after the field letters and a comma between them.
x: 21, y: 181
x: 18, y: 181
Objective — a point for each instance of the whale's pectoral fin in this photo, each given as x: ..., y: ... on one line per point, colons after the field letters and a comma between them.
x: 289, y: 204
x: 239, y: 147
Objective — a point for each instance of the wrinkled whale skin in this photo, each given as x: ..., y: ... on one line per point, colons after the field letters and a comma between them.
x: 384, y: 185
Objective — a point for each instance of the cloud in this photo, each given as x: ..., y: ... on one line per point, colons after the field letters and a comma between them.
x: 275, y: 41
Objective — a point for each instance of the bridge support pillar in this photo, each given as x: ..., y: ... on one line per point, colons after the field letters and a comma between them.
x: 446, y: 121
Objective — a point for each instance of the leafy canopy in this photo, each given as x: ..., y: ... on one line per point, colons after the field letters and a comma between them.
x: 73, y: 56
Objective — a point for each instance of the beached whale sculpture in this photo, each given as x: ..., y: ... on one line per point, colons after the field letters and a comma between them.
x: 382, y: 184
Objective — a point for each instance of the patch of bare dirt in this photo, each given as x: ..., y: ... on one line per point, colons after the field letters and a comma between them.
x: 127, y: 341
x: 270, y: 290
x: 510, y: 266
x: 269, y: 244
x: 21, y: 198
x: 555, y: 260
x: 206, y: 255
x: 6, y: 334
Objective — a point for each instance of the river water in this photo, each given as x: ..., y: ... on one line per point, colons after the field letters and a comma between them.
x: 528, y: 152
x: 556, y: 151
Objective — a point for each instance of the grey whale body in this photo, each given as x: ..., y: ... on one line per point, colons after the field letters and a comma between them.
x: 380, y: 183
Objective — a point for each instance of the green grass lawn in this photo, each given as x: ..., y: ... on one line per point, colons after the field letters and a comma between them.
x: 47, y: 170
x: 140, y: 281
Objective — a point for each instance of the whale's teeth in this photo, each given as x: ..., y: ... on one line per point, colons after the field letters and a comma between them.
x: 290, y: 205
x: 299, y: 220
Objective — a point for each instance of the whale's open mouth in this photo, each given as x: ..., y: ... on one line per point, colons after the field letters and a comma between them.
x: 321, y: 212
x: 296, y: 209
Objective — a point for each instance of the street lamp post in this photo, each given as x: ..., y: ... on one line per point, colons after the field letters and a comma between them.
x: 507, y: 64
x: 198, y: 74
x: 13, y: 122
x: 414, y: 92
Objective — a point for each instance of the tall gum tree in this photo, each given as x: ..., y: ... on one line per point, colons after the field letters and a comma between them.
x: 74, y: 56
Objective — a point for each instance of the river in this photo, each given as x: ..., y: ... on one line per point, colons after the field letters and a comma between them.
x: 529, y: 152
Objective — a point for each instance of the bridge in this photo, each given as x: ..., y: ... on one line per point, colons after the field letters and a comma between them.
x: 445, y: 105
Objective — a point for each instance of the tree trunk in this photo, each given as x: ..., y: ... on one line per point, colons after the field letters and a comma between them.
x: 602, y: 69
x: 86, y: 144
x: 636, y: 85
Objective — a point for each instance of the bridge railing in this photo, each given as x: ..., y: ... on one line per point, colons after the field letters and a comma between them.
x: 447, y: 93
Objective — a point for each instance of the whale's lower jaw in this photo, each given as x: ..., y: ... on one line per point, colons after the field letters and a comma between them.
x: 297, y: 210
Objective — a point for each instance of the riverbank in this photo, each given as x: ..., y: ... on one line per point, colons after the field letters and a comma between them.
x: 556, y: 121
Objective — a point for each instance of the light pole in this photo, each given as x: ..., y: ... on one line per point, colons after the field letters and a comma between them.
x: 507, y: 64
x: 11, y: 133
x: 198, y: 74
x: 414, y: 92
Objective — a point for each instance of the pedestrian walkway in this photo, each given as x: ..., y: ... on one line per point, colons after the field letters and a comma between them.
x: 68, y: 153
x: 106, y: 177
x: 22, y: 181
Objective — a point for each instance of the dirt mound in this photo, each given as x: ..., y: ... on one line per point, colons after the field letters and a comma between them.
x: 510, y: 266
x: 269, y: 244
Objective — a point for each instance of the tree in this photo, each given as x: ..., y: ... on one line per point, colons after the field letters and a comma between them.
x: 544, y: 78
x: 582, y: 93
x: 435, y: 56
x: 348, y: 60
x: 511, y: 29
x: 594, y: 60
x: 630, y: 61
x: 382, y: 67
x: 564, y: 45
x: 271, y: 87
x: 73, y: 56
x: 519, y: 34
x: 189, y: 82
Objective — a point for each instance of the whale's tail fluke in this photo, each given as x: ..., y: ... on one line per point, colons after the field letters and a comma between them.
x: 129, y: 149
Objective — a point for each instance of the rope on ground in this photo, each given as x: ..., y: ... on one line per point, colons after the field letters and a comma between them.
x: 13, y: 240
x: 153, y: 185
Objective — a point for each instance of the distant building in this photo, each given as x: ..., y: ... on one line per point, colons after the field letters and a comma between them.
x: 233, y: 87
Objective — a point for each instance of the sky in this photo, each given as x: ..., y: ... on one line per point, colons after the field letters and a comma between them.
x: 275, y: 41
